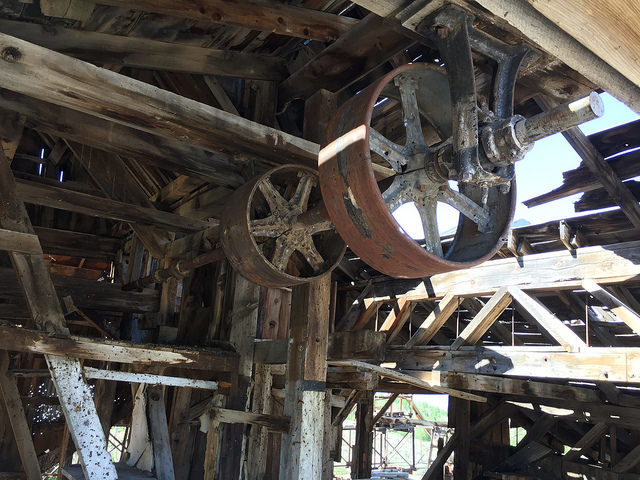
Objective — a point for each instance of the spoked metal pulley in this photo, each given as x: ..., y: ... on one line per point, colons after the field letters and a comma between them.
x: 444, y: 148
x: 276, y: 232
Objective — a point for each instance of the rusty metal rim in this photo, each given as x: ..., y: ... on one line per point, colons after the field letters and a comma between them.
x: 379, y: 251
x: 240, y: 246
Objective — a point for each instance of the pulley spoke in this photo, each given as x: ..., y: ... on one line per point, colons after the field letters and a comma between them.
x: 311, y: 254
x: 281, y: 254
x: 266, y: 227
x: 388, y: 150
x: 464, y: 205
x: 410, y: 111
x: 429, y: 220
x: 395, y: 195
x: 300, y: 198
x: 276, y: 202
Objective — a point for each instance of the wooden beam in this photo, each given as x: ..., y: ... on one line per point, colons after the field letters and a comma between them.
x: 620, y: 309
x: 120, y: 139
x: 274, y: 423
x: 510, y: 386
x: 548, y: 321
x: 559, y: 270
x: 385, y: 407
x: 586, y: 441
x: 400, y: 313
x: 147, y: 54
x: 24, y: 340
x: 360, y: 344
x: 550, y: 38
x: 594, y: 364
x: 281, y: 19
x: 404, y: 378
x: 484, y: 319
x: 19, y: 242
x: 15, y: 410
x: 86, y: 294
x: 148, y: 378
x: 434, y: 321
x: 363, y: 48
x: 63, y: 199
x: 50, y: 76
x: 620, y: 49
x: 77, y: 244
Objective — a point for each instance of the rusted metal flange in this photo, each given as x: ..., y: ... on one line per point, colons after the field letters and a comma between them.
x: 357, y: 206
x: 275, y: 231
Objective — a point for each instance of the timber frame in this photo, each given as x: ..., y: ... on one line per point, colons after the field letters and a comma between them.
x: 124, y: 132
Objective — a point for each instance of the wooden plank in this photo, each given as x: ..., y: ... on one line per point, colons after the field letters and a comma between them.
x: 586, y: 441
x: 123, y: 140
x: 21, y: 431
x: 162, y: 460
x: 434, y: 321
x: 460, y: 419
x: 60, y: 198
x: 620, y: 48
x: 404, y: 378
x: 620, y: 309
x: 148, y: 378
x: 19, y: 242
x: 50, y: 76
x: 24, y: 340
x: 603, y: 363
x: 364, y: 47
x: 484, y: 319
x: 273, y: 423
x: 281, y: 19
x: 147, y: 54
x: 258, y: 441
x: 548, y: 321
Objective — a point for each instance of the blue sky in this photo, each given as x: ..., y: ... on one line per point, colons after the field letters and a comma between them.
x: 539, y: 172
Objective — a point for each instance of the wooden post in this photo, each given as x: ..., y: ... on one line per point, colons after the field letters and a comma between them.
x: 244, y: 321
x: 159, y: 433
x: 301, y: 453
x: 459, y: 418
x: 363, y: 448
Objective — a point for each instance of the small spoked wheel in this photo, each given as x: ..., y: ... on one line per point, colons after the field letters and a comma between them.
x: 276, y: 232
x: 379, y: 169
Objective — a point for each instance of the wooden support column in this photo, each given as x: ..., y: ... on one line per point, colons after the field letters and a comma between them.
x: 363, y: 448
x: 459, y: 418
x: 75, y: 397
x: 159, y: 433
x: 244, y: 321
x: 301, y: 452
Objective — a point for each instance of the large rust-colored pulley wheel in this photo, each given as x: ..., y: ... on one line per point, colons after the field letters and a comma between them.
x: 369, y: 169
x: 275, y: 231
